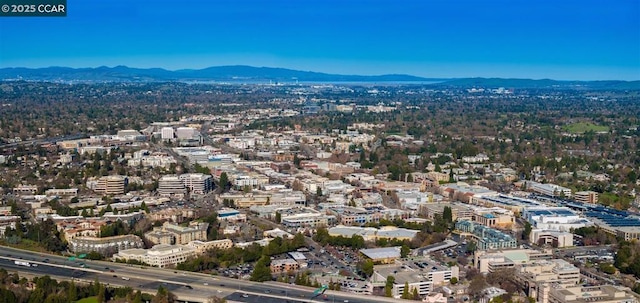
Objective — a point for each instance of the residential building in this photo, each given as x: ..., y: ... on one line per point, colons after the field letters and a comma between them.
x: 170, y: 233
x: 486, y: 237
x: 106, y: 246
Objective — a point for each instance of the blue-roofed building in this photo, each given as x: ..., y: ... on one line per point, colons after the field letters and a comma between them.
x: 617, y: 223
x: 554, y: 218
x: 486, y: 238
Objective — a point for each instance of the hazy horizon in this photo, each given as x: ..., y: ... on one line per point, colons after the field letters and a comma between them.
x: 570, y: 40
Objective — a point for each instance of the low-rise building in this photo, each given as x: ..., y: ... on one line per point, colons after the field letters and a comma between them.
x: 421, y: 274
x: 170, y: 233
x: 555, y: 293
x: 161, y: 255
x: 486, y: 237
x: 552, y: 237
x: 284, y: 266
x: 201, y: 246
x: 589, y: 197
x: 106, y: 246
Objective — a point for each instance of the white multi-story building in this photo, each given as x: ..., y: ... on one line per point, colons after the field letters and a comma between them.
x: 167, y: 133
x: 421, y: 275
x: 111, y: 185
x: 185, y: 132
x: 171, y: 186
x: 197, y: 183
x: 548, y: 189
x: 554, y: 218
x: 161, y: 255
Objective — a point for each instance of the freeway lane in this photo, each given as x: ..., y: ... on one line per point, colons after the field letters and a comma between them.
x: 142, y: 277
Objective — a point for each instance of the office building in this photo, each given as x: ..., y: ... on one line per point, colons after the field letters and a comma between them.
x: 167, y: 133
x: 111, y: 185
x: 161, y: 255
x: 198, y: 184
x: 171, y: 186
x: 589, y: 197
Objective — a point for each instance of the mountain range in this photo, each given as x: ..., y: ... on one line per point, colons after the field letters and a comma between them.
x: 242, y: 73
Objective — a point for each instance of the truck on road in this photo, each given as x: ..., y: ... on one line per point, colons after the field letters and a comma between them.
x: 23, y: 263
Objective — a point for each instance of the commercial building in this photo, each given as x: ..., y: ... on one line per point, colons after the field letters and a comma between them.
x: 421, y: 274
x: 554, y: 293
x: 486, y: 237
x: 383, y: 255
x: 372, y: 234
x: 590, y: 197
x: 201, y: 246
x: 487, y: 262
x: 197, y: 183
x: 162, y: 255
x: 171, y: 186
x: 617, y: 223
x: 458, y: 211
x: 548, y: 189
x: 284, y: 266
x: 534, y: 274
x: 111, y: 185
x: 554, y: 218
x: 167, y: 133
x: 106, y: 246
x: 551, y: 237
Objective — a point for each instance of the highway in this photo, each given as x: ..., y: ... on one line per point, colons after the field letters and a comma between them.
x: 188, y: 286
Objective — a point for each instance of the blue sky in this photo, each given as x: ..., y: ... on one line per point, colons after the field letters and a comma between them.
x: 567, y: 39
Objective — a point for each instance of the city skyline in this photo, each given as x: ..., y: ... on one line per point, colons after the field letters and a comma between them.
x: 508, y: 39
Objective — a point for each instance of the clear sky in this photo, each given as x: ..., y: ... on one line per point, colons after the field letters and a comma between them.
x: 558, y: 39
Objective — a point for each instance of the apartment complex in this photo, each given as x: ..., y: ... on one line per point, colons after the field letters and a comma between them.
x: 170, y: 233
x: 486, y: 237
x: 106, y: 246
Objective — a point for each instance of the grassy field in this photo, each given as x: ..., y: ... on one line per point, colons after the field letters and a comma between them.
x: 88, y: 300
x: 583, y: 127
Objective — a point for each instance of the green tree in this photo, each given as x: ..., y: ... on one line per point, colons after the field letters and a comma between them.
x: 404, y: 251
x: 453, y: 281
x: 388, y: 286
x: 278, y: 217
x: 137, y: 298
x: 447, y: 214
x: 262, y: 271
x: 415, y: 295
x: 224, y: 182
x: 527, y: 231
x: 405, y: 291
x: 366, y: 267
x: 318, y: 191
x: 72, y: 292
